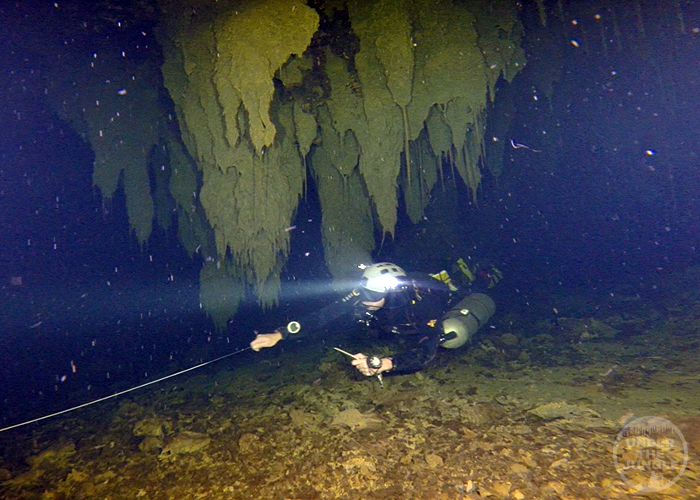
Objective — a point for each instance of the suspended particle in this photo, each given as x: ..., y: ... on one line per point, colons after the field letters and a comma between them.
x: 575, y: 43
x: 650, y: 152
x: 121, y: 91
x: 598, y: 17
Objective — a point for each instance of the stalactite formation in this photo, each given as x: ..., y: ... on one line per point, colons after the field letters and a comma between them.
x: 370, y: 104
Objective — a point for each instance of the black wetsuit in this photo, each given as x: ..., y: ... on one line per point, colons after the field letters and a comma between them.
x: 414, y: 314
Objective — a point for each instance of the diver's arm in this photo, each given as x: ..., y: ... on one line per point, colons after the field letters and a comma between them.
x: 270, y: 339
x: 418, y: 358
x: 411, y: 362
x: 265, y: 340
x: 360, y: 362
x: 311, y: 324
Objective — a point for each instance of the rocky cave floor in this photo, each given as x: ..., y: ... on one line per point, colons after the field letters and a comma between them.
x: 531, y: 410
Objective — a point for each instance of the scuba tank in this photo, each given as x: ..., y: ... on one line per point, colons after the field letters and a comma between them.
x: 462, y: 321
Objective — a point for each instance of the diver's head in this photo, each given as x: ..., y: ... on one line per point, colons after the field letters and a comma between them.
x: 383, y: 284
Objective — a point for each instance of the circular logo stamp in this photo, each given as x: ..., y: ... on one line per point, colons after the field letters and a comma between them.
x: 650, y: 454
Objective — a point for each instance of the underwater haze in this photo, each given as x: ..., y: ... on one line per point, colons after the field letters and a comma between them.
x: 174, y: 180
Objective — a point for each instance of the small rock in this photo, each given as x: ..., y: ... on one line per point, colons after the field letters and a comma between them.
x: 509, y: 339
x: 558, y: 463
x: 355, y: 420
x: 248, y: 443
x: 501, y: 489
x: 434, y: 461
x: 77, y: 476
x: 517, y: 495
x: 557, y: 486
x: 607, y: 483
x: 152, y: 426
x: 150, y: 444
x: 183, y: 443
x: 519, y: 469
x: 561, y: 409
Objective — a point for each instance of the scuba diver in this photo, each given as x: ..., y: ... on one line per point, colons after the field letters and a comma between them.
x: 417, y: 307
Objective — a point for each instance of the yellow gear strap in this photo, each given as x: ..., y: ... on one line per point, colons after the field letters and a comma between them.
x: 465, y: 269
x: 445, y: 278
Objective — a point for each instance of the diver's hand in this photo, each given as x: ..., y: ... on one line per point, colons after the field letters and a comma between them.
x: 265, y: 340
x: 360, y: 362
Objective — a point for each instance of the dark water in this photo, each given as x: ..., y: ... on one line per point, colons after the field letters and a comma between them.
x: 603, y: 200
